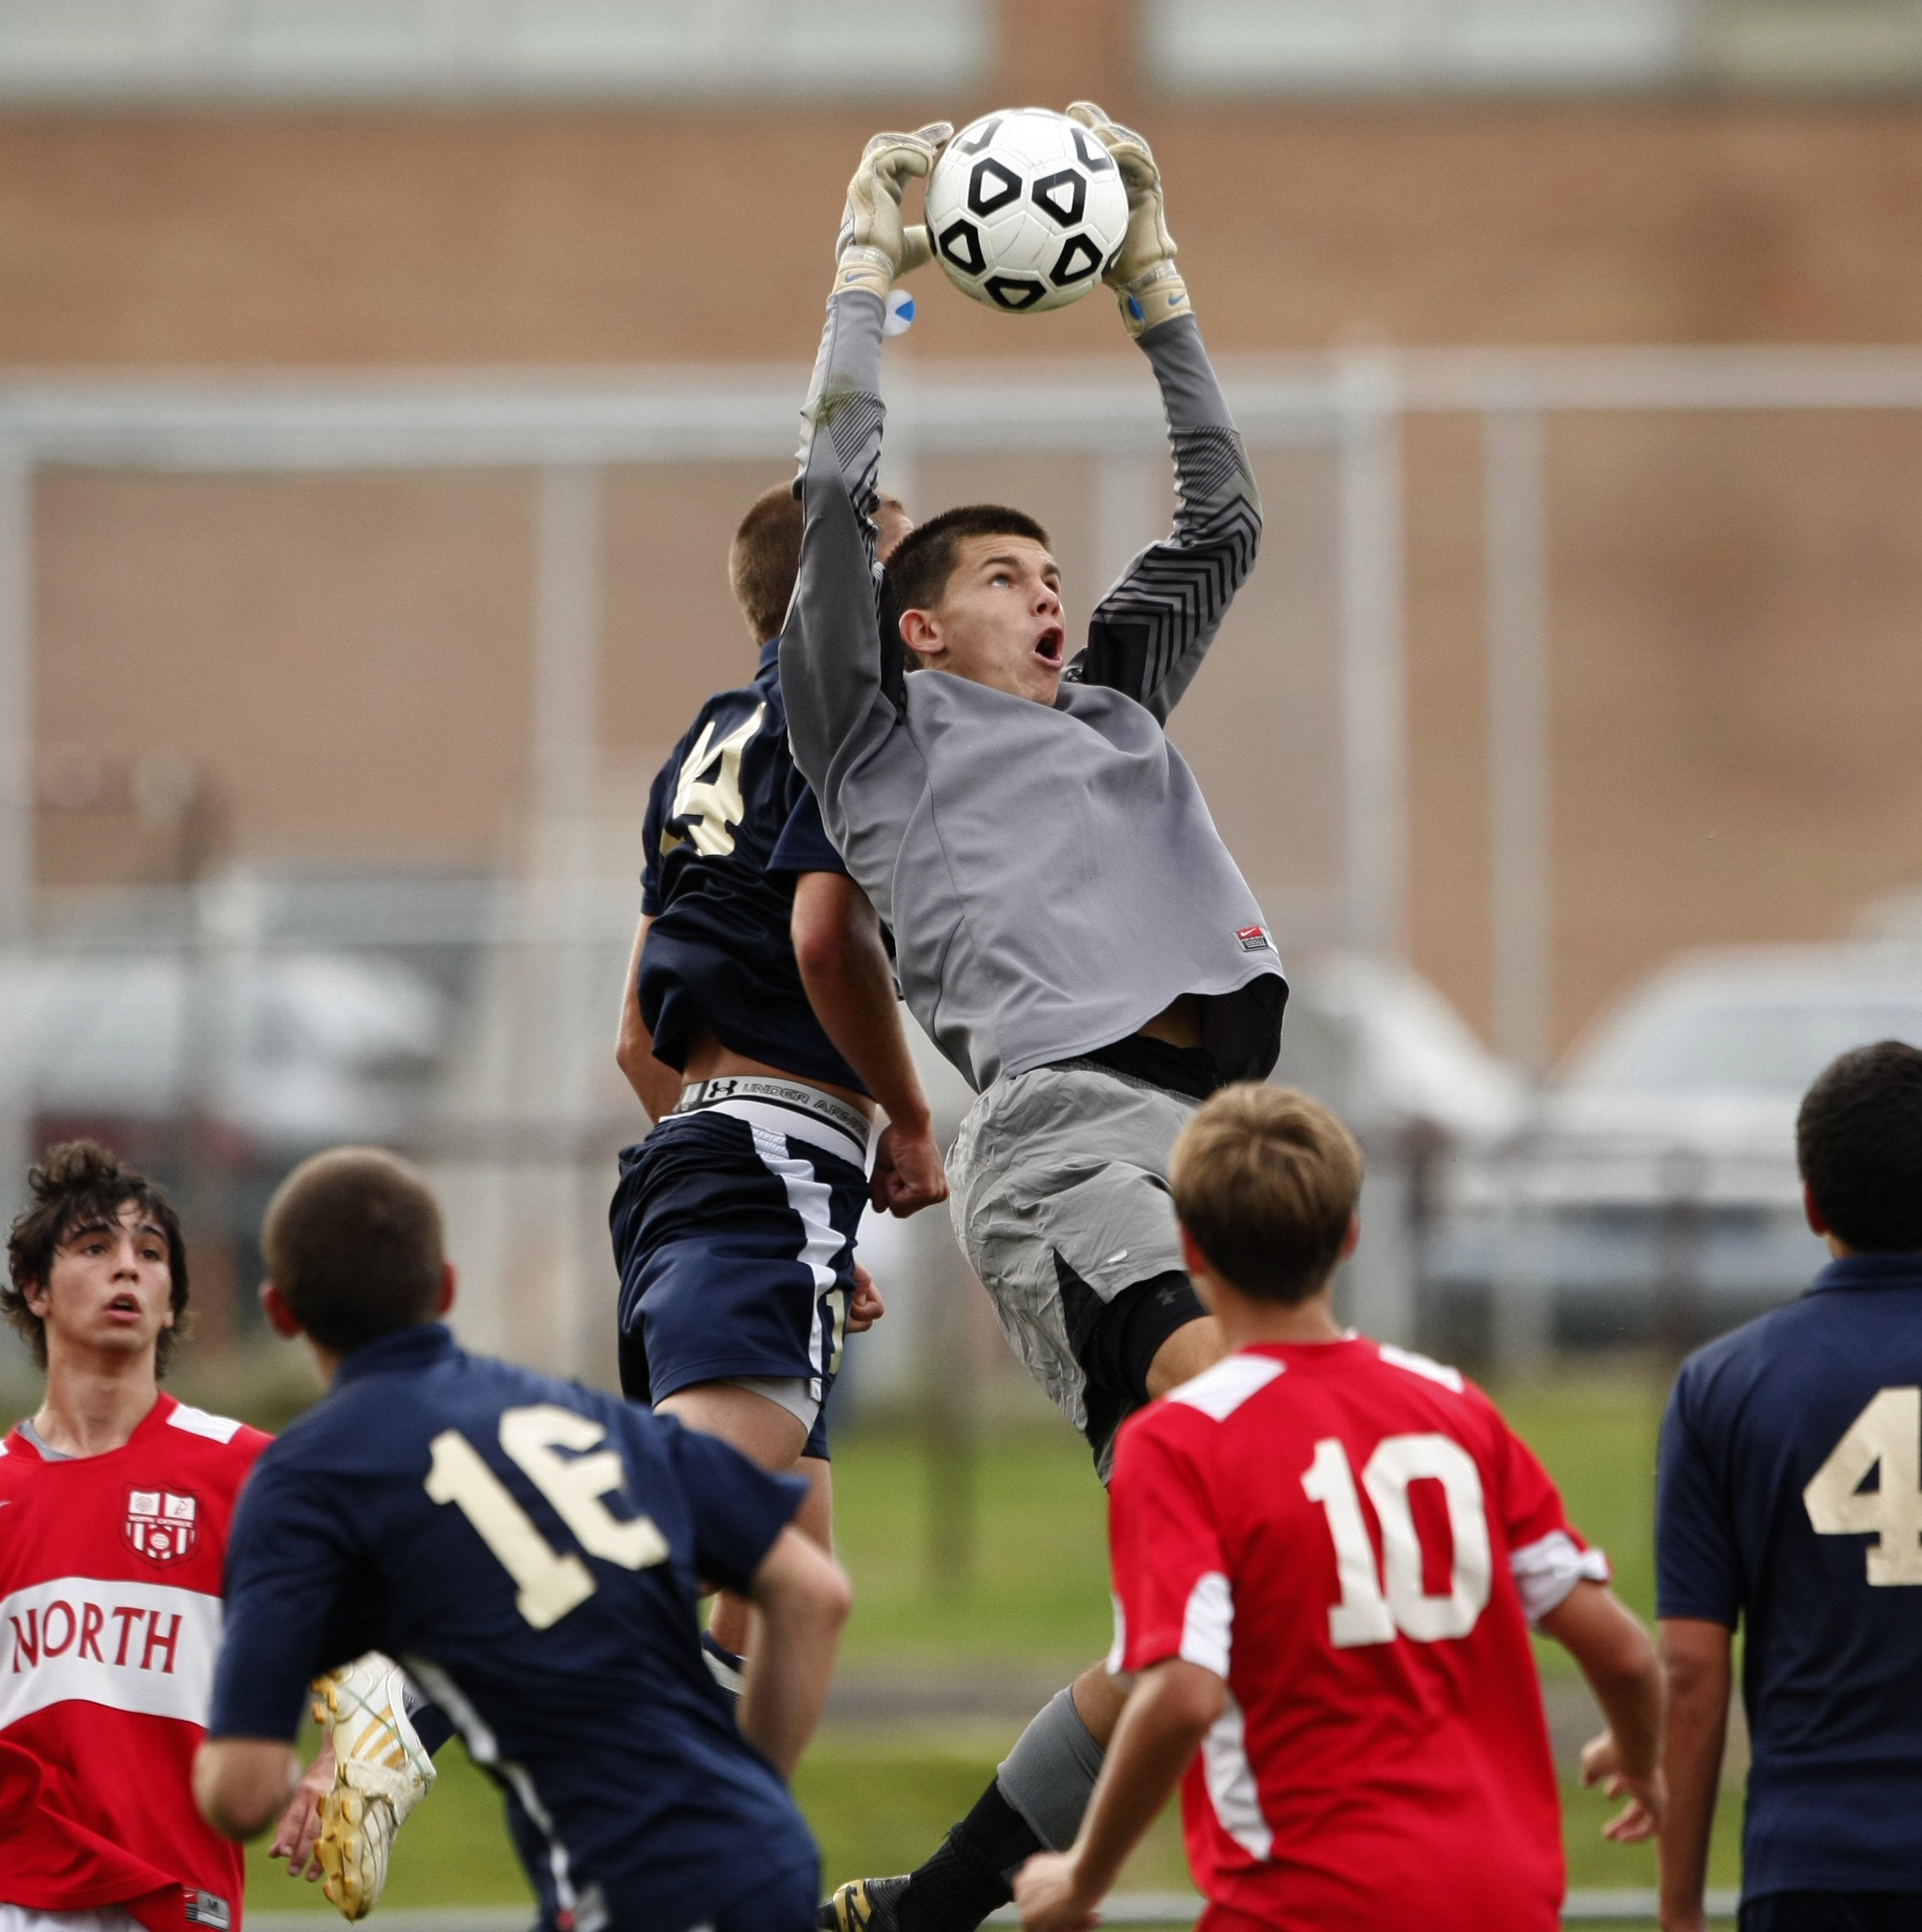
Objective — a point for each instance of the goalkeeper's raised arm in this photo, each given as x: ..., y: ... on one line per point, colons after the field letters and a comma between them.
x: 841, y: 676
x: 1148, y: 634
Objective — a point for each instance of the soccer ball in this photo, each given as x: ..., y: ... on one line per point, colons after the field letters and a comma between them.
x: 1025, y: 210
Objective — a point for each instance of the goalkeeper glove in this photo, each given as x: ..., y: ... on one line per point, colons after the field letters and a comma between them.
x: 381, y: 1773
x: 1143, y: 275
x: 874, y: 246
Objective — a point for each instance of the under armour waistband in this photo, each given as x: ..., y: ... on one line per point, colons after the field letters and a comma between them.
x: 697, y: 1096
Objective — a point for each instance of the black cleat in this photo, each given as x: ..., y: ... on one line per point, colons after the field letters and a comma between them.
x: 863, y: 1905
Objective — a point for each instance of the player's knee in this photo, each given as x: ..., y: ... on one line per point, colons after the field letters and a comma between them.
x: 1198, y: 1344
x: 1049, y: 1775
x: 1151, y: 1337
x: 1098, y: 1698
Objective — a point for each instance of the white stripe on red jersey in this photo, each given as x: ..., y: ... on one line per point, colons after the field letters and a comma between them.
x: 128, y: 1646
x: 110, y: 1570
x: 1351, y: 1539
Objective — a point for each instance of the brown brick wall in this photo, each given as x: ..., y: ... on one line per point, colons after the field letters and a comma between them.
x: 1738, y: 671
x: 345, y: 658
x: 592, y: 237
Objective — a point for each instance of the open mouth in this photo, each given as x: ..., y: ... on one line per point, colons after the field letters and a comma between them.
x: 1047, y: 647
x: 123, y: 1304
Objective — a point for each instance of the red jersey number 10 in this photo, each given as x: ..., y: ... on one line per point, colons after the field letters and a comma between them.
x: 1376, y: 1607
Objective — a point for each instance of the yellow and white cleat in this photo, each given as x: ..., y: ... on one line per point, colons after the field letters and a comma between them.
x: 380, y: 1772
x: 866, y: 1905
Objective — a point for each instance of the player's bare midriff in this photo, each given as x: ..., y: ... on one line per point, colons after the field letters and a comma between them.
x: 1179, y: 1023
x: 709, y: 1060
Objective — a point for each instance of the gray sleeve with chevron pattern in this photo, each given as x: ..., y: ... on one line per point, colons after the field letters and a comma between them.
x: 1148, y: 635
x: 840, y: 678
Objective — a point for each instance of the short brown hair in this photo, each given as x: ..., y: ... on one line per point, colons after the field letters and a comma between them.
x: 81, y: 1185
x: 763, y: 560
x: 352, y: 1242
x: 1265, y: 1180
x: 924, y: 560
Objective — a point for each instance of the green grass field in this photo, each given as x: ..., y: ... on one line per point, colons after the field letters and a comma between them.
x: 1036, y: 1602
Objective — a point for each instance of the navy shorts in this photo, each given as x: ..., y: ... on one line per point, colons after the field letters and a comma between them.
x: 786, y: 1904
x: 1832, y: 1912
x: 734, y: 1232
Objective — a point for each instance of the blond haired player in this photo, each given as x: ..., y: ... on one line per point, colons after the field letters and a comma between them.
x: 1328, y: 1554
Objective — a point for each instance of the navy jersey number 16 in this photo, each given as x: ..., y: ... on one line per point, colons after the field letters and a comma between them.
x: 550, y: 1583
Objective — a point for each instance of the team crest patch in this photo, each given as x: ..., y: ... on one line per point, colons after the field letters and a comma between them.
x: 160, y: 1526
x: 1254, y: 939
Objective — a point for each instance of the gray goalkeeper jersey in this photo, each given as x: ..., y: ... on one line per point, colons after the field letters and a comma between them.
x: 1051, y: 874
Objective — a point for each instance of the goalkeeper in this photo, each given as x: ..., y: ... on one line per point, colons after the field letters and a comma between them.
x: 1071, y: 930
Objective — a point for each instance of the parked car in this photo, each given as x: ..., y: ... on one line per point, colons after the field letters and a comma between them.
x: 285, y: 1051
x: 1382, y: 1047
x: 1651, y: 1192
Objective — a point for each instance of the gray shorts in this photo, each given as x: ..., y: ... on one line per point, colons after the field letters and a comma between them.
x: 1065, y: 1165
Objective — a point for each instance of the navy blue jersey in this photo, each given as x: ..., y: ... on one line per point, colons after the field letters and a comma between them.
x: 1770, y: 1435
x: 530, y: 1549
x: 720, y: 949
x: 804, y: 845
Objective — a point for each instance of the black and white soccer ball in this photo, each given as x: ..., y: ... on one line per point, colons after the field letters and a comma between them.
x: 1025, y: 210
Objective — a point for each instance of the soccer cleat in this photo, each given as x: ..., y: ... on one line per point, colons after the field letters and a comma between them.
x: 380, y: 1772
x: 863, y: 1905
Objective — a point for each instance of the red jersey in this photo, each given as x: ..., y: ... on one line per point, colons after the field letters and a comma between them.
x: 1351, y: 1537
x: 109, y: 1624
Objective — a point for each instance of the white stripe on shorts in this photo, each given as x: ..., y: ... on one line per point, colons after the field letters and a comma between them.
x: 788, y: 1392
x: 810, y: 1199
x: 790, y: 1123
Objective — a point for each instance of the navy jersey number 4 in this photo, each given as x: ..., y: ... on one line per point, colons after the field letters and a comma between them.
x: 1789, y: 1501
x: 1886, y: 1440
x: 719, y: 953
x: 708, y: 804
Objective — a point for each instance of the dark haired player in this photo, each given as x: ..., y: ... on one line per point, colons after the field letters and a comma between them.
x: 759, y: 1026
x: 1071, y: 930
x: 532, y: 1549
x: 114, y: 1502
x: 1328, y: 1554
x: 1790, y: 1500
x: 136, y: 1504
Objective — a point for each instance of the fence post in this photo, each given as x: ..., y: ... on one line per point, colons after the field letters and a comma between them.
x: 1520, y: 803
x: 16, y: 694
x: 1373, y: 671
x: 17, y: 786
x: 948, y: 1428
x: 1521, y: 1314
